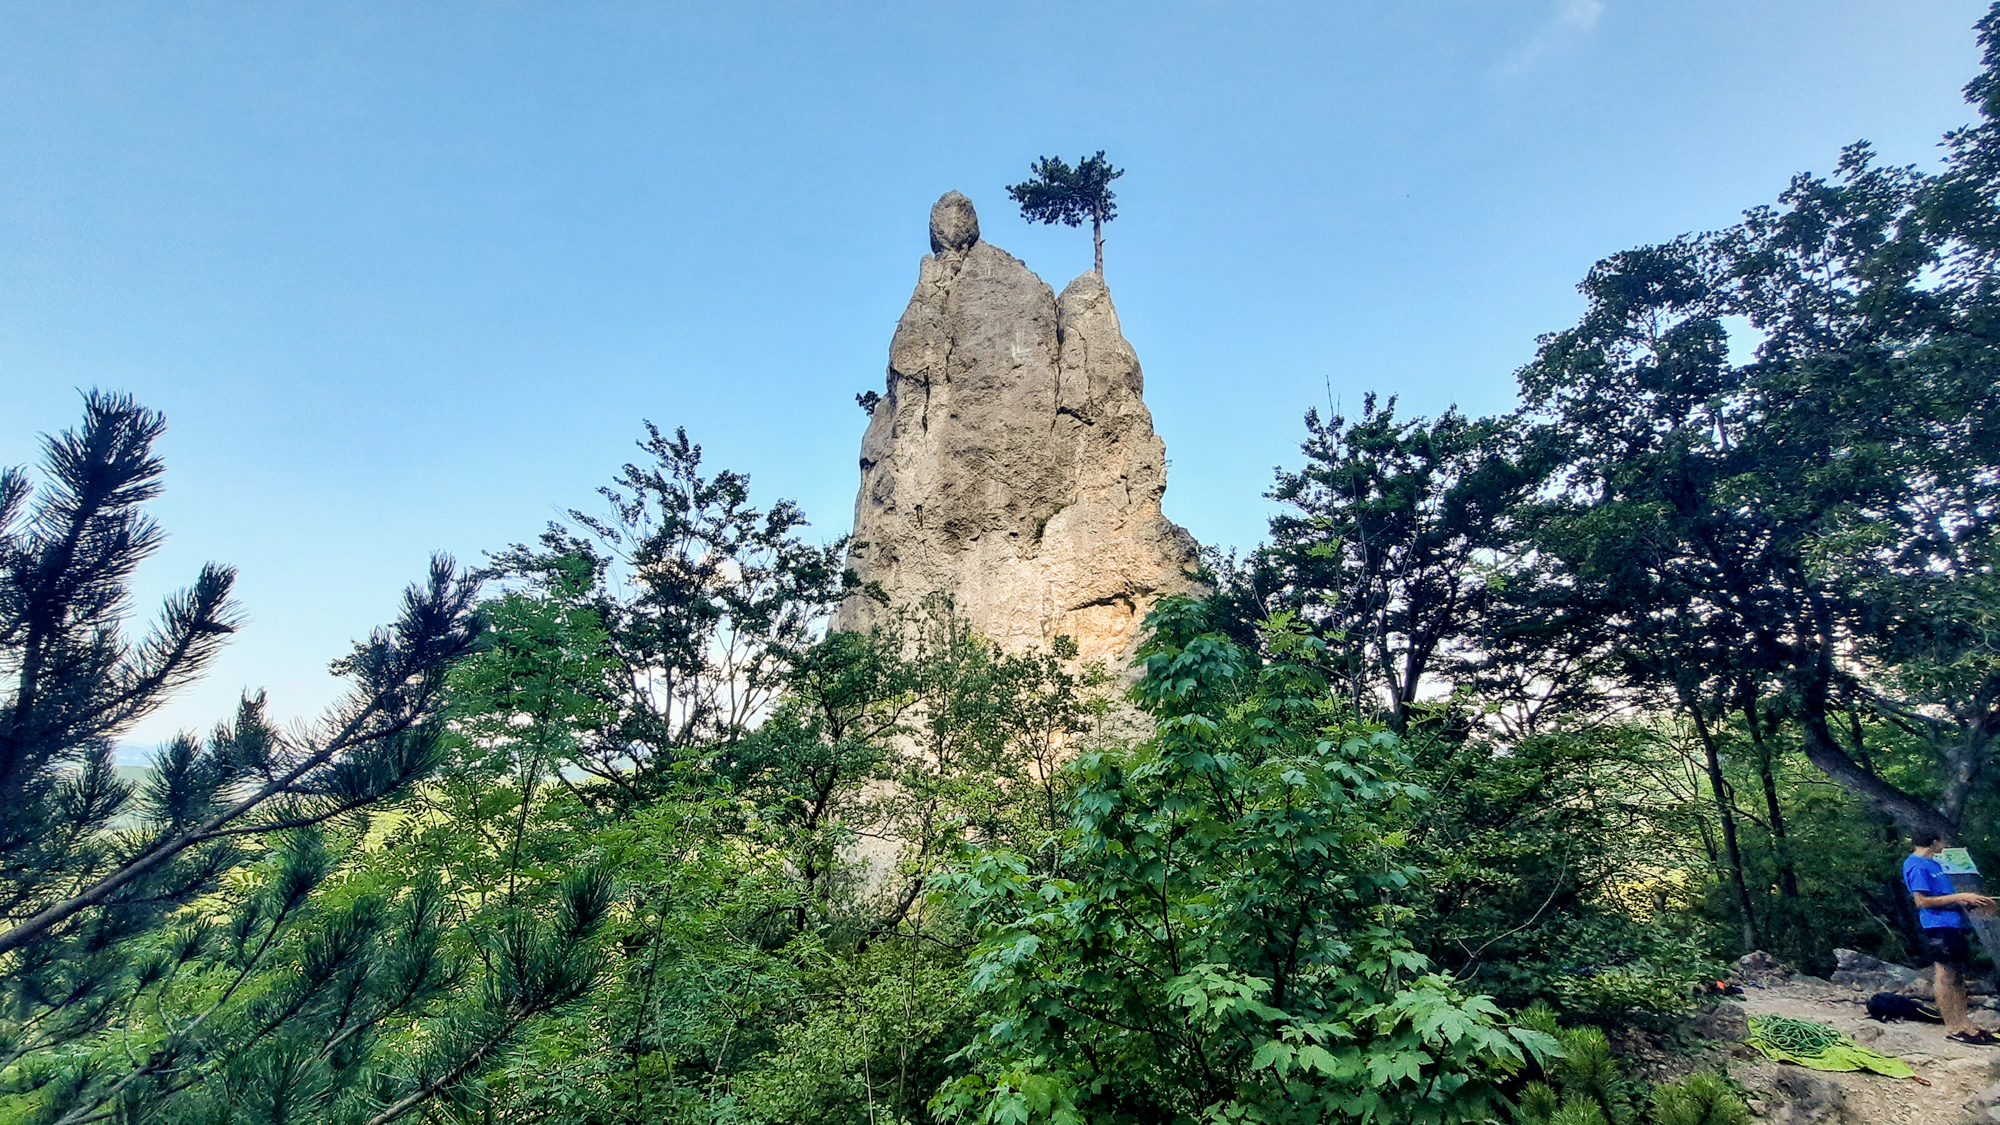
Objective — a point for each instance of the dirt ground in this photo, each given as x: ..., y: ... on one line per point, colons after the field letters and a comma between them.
x: 1957, y: 1073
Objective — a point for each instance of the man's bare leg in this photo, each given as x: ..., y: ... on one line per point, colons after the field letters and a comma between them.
x: 1951, y: 999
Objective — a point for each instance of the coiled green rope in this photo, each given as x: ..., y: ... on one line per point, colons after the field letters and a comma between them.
x: 1818, y: 1046
x: 1798, y: 1037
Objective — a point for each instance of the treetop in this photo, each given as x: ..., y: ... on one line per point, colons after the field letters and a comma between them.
x: 1059, y: 193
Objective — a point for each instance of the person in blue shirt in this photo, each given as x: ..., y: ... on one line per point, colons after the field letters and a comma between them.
x: 1941, y: 912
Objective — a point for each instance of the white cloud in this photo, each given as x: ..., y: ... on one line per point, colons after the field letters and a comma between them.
x: 1573, y: 19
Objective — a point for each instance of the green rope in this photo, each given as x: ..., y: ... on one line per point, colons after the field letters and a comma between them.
x: 1799, y: 1037
x: 1818, y: 1046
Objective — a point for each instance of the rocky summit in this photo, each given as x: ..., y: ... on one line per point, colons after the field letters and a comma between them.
x: 1012, y: 461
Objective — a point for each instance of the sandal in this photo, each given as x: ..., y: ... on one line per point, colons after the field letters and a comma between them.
x: 1978, y: 1037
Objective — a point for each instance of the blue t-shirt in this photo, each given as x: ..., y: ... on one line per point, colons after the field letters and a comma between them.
x: 1924, y: 875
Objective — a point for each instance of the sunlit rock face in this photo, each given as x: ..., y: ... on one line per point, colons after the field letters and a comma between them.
x: 1012, y: 462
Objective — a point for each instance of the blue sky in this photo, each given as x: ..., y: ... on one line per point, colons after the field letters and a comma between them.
x: 406, y: 277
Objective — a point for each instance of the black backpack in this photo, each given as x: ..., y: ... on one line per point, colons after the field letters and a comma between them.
x: 1896, y: 1006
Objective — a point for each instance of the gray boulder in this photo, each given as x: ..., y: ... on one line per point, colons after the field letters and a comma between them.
x: 1851, y: 961
x: 1758, y: 965
x: 1721, y: 1023
x: 1864, y: 982
x: 954, y: 224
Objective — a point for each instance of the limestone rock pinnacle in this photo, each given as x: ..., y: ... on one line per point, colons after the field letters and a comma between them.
x: 1012, y: 462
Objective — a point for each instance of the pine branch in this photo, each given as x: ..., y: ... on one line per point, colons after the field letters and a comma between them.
x: 437, y: 625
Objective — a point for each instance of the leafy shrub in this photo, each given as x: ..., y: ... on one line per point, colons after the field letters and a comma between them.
x: 1228, y: 940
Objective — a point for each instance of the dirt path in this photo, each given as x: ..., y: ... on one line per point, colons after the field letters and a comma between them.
x: 1957, y: 1073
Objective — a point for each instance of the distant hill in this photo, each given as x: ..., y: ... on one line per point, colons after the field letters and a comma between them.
x: 137, y: 775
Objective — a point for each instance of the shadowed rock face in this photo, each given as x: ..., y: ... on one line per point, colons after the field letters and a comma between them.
x: 1012, y: 463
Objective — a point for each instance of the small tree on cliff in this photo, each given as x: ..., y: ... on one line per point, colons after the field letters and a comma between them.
x: 1062, y: 194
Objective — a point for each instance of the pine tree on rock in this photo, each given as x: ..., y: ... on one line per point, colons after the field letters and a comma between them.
x: 1059, y: 193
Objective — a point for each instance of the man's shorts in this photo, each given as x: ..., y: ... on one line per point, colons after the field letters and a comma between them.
x: 1946, y: 945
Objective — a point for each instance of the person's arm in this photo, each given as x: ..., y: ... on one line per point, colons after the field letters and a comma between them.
x: 1946, y: 902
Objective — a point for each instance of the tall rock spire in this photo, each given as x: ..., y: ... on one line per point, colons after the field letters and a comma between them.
x: 1012, y: 462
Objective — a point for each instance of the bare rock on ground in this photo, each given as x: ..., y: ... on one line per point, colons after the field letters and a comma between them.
x: 1720, y: 1023
x: 1983, y: 1107
x: 1758, y: 965
x: 1802, y: 1097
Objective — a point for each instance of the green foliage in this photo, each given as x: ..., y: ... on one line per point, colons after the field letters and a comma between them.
x: 1226, y: 941
x: 1698, y: 1099
x: 1565, y: 867
x: 73, y: 681
x: 1587, y: 1073
x: 1780, y: 568
x: 1538, y: 1103
x: 165, y: 948
x: 1390, y: 545
x: 872, y: 1046
x: 1564, y: 852
x: 768, y: 960
x: 295, y: 996
x: 1059, y: 193
x: 1583, y: 1082
x: 703, y: 598
x: 1768, y: 531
